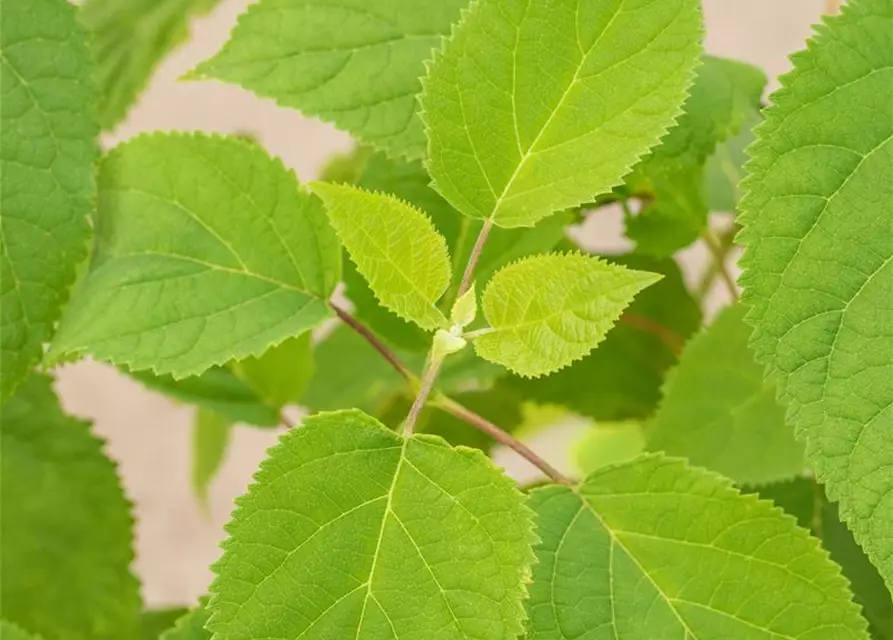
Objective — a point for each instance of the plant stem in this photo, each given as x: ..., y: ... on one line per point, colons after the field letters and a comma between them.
x: 468, y: 275
x: 428, y: 380
x: 373, y: 340
x: 482, y: 424
x: 285, y: 421
x: 719, y: 260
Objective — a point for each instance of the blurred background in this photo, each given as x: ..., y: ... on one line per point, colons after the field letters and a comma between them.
x: 150, y: 437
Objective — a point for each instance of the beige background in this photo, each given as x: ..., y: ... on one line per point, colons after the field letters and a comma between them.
x: 150, y: 437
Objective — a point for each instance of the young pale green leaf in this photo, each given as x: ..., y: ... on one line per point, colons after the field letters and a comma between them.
x: 534, y: 107
x: 281, y: 374
x: 622, y: 378
x: 465, y: 308
x: 211, y: 434
x: 154, y: 622
x: 129, y: 38
x: 66, y: 531
x: 9, y: 631
x: 48, y: 145
x: 818, y: 261
x: 608, y: 443
x: 657, y: 549
x: 395, y: 247
x: 190, y: 626
x: 219, y: 390
x: 348, y: 62
x: 719, y: 413
x: 547, y: 311
x: 352, y: 531
x: 208, y: 251
x: 724, y: 95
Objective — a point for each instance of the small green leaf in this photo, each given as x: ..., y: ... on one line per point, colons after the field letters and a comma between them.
x: 535, y: 107
x: 622, y: 378
x: 9, y: 631
x: 48, y: 146
x: 66, y: 531
x: 607, y: 444
x: 349, y: 63
x: 129, y: 38
x: 396, y: 248
x: 155, y: 621
x: 719, y: 413
x: 210, y: 439
x: 280, y: 375
x: 818, y: 261
x: 548, y: 311
x: 219, y: 390
x: 191, y: 626
x: 357, y: 532
x: 445, y: 343
x: 208, y: 251
x: 657, y: 549
x: 465, y: 308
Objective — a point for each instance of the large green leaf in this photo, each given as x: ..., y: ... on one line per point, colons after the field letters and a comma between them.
x: 208, y: 251
x: 719, y: 413
x: 547, y: 311
x: 352, y: 531
x: 349, y: 62
x: 622, y: 378
x: 65, y: 535
x: 219, y: 390
x: 10, y: 631
x: 725, y: 94
x: 655, y: 549
x: 534, y: 107
x: 129, y: 38
x: 47, y: 150
x: 818, y: 261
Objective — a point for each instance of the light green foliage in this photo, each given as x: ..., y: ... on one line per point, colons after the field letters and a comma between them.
x: 719, y: 413
x: 608, y: 443
x: 129, y: 38
x: 465, y: 308
x: 350, y: 62
x: 395, y: 247
x: 65, y: 535
x: 10, y: 631
x: 725, y: 94
x: 191, y: 626
x: 805, y: 500
x: 219, y: 390
x: 208, y: 251
x: 657, y: 549
x: 155, y: 621
x: 534, y: 107
x: 427, y: 541
x: 47, y: 150
x: 281, y: 374
x: 548, y: 311
x: 210, y: 439
x: 622, y: 378
x: 818, y: 262
x: 724, y: 170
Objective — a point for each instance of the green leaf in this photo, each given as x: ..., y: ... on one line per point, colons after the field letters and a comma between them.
x: 657, y: 549
x: 211, y: 434
x: 719, y: 413
x: 724, y: 95
x: 805, y: 500
x: 724, y: 170
x: 348, y: 63
x: 346, y: 167
x: 129, y: 38
x: 622, y: 378
x: 48, y: 144
x: 66, y: 531
x: 191, y: 626
x: 156, y: 621
x: 548, y: 311
x: 607, y: 444
x: 281, y: 374
x: 9, y: 631
x: 425, y: 540
x: 219, y: 390
x: 396, y: 248
x: 818, y: 268
x: 534, y: 107
x: 208, y: 251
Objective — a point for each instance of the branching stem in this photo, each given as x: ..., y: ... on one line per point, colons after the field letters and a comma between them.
x: 719, y: 253
x: 373, y: 340
x: 432, y: 369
